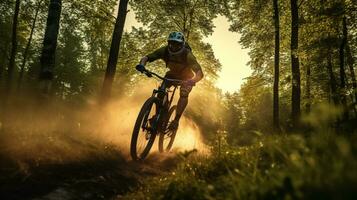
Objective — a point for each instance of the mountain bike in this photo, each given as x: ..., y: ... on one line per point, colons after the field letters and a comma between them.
x: 154, y: 119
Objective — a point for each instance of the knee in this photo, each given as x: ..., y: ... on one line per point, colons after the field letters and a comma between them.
x: 184, y: 94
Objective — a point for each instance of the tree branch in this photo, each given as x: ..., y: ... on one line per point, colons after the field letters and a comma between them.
x: 301, y: 2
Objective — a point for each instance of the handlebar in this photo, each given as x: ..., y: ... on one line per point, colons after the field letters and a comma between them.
x: 150, y: 74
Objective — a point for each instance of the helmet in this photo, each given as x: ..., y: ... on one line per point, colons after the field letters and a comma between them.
x: 176, y: 42
x: 176, y: 36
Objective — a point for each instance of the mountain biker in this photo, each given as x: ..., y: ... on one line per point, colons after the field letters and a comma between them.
x: 182, y: 65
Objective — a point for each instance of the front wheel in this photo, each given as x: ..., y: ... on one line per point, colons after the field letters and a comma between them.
x: 143, y: 136
x: 167, y: 136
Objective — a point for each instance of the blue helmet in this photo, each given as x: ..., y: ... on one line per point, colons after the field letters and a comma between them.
x: 176, y: 36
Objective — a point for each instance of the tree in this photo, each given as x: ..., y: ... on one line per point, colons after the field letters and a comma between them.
x: 308, y: 89
x: 342, y: 67
x: 276, y: 66
x: 295, y: 68
x: 256, y: 100
x: 186, y: 16
x: 333, y: 83
x: 27, y: 48
x: 232, y: 115
x: 50, y: 42
x: 114, y: 51
x: 14, y: 45
x: 350, y: 62
x: 194, y: 18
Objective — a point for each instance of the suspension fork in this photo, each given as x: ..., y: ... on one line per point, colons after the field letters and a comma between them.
x: 172, y: 96
x: 162, y: 95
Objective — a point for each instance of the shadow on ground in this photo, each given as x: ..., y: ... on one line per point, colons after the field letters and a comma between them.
x: 104, y: 173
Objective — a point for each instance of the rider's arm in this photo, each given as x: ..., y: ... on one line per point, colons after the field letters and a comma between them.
x: 196, y: 68
x: 144, y: 60
x: 198, y: 76
x: 157, y: 54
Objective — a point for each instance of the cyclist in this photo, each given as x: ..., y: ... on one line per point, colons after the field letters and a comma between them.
x: 182, y: 65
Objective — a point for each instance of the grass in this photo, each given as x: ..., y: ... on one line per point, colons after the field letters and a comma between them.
x: 319, y: 166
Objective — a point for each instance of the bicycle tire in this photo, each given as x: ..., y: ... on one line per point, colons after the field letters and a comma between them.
x: 166, y: 136
x: 143, y: 118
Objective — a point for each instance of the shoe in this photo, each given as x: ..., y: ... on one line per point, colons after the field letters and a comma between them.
x: 174, y: 125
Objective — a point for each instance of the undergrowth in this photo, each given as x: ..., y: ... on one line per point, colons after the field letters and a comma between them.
x: 318, y: 166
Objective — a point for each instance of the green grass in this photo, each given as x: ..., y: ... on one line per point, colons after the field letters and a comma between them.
x: 318, y: 166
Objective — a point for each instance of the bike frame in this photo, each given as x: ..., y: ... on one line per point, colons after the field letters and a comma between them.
x: 162, y: 94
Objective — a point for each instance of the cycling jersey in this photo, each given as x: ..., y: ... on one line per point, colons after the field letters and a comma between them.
x: 181, y: 65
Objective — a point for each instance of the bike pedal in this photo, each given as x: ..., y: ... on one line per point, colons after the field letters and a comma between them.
x: 149, y: 129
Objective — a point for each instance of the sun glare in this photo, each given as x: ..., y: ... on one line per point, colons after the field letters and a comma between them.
x: 231, y: 54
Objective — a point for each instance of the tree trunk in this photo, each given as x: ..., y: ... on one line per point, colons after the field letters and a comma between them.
x: 114, y: 51
x: 333, y: 84
x: 308, y: 88
x: 342, y: 69
x: 350, y: 63
x: 276, y: 67
x: 50, y: 41
x: 295, y: 68
x: 11, y: 67
x: 28, y: 47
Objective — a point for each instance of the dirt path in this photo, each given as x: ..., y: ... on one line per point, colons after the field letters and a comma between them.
x: 79, y: 158
x: 71, y: 167
x: 90, y: 179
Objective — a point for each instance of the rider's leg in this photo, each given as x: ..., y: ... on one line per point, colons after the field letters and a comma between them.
x: 181, y: 105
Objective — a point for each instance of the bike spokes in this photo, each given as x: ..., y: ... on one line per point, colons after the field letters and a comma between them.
x: 167, y: 136
x: 146, y: 130
x: 143, y: 134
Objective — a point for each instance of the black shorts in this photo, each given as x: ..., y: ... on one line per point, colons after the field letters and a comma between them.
x: 184, y: 89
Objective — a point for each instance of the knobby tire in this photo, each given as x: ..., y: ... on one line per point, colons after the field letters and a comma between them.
x: 164, y: 137
x: 143, y: 117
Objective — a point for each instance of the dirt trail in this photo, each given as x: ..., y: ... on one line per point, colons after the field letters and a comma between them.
x: 64, y: 152
x: 52, y: 164
x: 103, y: 176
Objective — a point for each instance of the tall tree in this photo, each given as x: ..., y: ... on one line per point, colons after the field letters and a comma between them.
x: 295, y: 68
x: 50, y: 42
x: 194, y: 16
x: 350, y: 62
x: 14, y: 45
x: 114, y: 51
x: 342, y: 68
x: 308, y: 89
x: 25, y: 54
x: 276, y: 66
x: 332, y: 81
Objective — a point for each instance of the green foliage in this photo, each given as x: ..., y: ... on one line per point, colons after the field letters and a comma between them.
x: 233, y: 116
x: 320, y: 36
x: 186, y: 16
x: 320, y: 166
x: 193, y: 18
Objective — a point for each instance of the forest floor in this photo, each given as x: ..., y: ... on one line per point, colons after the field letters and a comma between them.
x: 62, y: 154
x: 104, y: 173
x: 68, y: 166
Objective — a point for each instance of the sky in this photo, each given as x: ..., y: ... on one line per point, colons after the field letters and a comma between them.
x: 226, y: 49
x: 231, y: 55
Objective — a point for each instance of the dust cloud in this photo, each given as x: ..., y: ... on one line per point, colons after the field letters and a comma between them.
x: 118, y: 124
x: 58, y: 132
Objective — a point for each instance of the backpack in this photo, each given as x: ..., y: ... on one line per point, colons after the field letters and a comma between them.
x: 183, y: 54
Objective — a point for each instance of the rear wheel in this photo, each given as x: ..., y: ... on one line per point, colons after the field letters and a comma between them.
x: 143, y: 136
x: 167, y: 136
